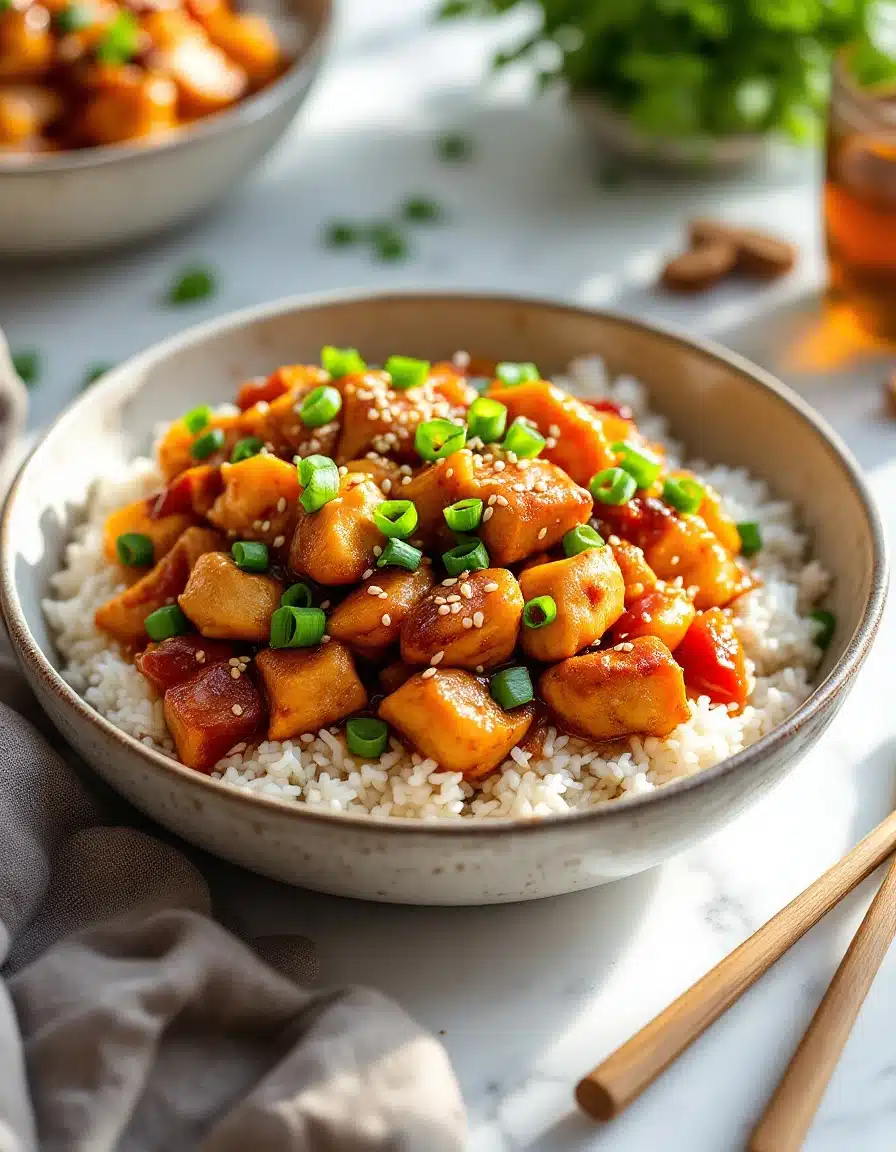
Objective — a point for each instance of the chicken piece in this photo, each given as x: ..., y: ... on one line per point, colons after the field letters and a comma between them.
x: 124, y: 616
x: 206, y: 79
x: 228, y: 604
x: 451, y: 387
x: 479, y: 627
x: 589, y: 593
x: 279, y: 424
x: 137, y: 517
x: 637, y: 574
x: 309, y: 688
x: 26, y: 42
x: 195, y: 490
x: 370, y: 622
x: 394, y: 675
x: 181, y: 657
x: 249, y: 40
x: 666, y: 613
x: 718, y: 521
x: 384, y: 472
x: 210, y: 713
x: 26, y: 110
x: 258, y: 501
x: 126, y: 103
x: 451, y: 718
x: 636, y: 689
x: 432, y: 488
x: 713, y: 659
x: 266, y: 389
x: 335, y: 544
x: 174, y: 450
x: 535, y: 505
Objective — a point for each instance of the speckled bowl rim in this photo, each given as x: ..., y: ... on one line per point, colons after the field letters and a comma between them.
x: 822, y: 698
x: 253, y: 109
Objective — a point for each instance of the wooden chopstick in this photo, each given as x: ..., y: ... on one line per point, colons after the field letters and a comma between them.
x: 624, y: 1075
x: 786, y: 1121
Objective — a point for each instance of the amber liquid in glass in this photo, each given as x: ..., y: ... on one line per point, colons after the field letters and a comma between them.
x: 860, y: 204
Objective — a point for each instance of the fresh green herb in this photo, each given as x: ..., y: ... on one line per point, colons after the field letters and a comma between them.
x: 684, y: 494
x: 245, y: 449
x: 366, y: 737
x: 826, y: 624
x: 297, y: 627
x: 319, y: 478
x: 27, y: 365
x: 581, y: 539
x: 486, y: 419
x: 613, y: 486
x: 399, y: 554
x: 74, y: 17
x: 342, y: 234
x: 641, y: 465
x: 296, y: 596
x: 470, y: 556
x: 435, y: 439
x: 341, y: 362
x: 454, y: 146
x: 514, y: 374
x: 165, y: 623
x: 539, y: 612
x: 422, y: 210
x: 208, y: 444
x: 197, y: 419
x: 512, y: 687
x: 134, y: 550
x: 406, y: 372
x: 120, y: 43
x: 94, y: 372
x: 396, y: 518
x: 524, y: 441
x: 250, y: 555
x: 191, y: 285
x: 750, y: 537
x: 463, y: 516
x: 320, y: 406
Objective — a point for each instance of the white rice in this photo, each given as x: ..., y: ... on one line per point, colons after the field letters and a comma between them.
x: 569, y: 773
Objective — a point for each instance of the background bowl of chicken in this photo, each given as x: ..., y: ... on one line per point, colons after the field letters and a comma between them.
x: 724, y: 410
x: 53, y: 203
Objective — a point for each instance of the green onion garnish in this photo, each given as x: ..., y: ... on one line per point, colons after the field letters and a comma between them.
x: 750, y: 537
x: 94, y: 372
x: 319, y: 478
x: 827, y: 622
x: 454, y: 146
x: 524, y: 441
x: 27, y: 365
x: 435, y: 439
x: 320, y: 406
x: 643, y: 467
x: 207, y: 444
x: 366, y: 737
x: 134, y: 549
x: 341, y: 234
x: 464, y: 516
x: 486, y: 419
x: 297, y: 627
x: 74, y: 17
x: 296, y: 596
x: 406, y: 372
x: 250, y: 555
x: 613, y: 486
x: 479, y: 383
x: 166, y: 622
x: 119, y: 43
x: 388, y: 242
x: 421, y: 210
x: 511, y: 687
x: 191, y: 285
x: 513, y: 374
x: 539, y: 612
x: 245, y: 449
x: 197, y: 418
x: 396, y: 518
x: 684, y: 494
x: 341, y: 362
x: 467, y: 557
x: 581, y: 539
x: 400, y: 554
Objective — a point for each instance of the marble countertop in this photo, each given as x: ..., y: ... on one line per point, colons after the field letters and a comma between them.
x: 528, y: 997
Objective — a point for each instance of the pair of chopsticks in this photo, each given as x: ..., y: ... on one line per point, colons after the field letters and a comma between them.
x: 624, y: 1075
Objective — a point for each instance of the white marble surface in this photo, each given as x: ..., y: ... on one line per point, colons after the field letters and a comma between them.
x: 529, y: 997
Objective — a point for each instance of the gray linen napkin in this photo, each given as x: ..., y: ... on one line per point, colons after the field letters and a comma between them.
x: 131, y: 1022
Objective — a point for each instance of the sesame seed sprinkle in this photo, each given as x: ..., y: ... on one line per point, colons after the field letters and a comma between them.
x: 542, y: 533
x: 490, y: 587
x: 444, y: 609
x: 487, y: 515
x: 491, y: 500
x: 374, y: 590
x: 429, y: 672
x: 237, y: 709
x: 387, y: 619
x: 235, y: 673
x: 467, y: 622
x: 377, y: 551
x: 437, y: 658
x: 279, y: 541
x: 478, y: 619
x: 281, y: 504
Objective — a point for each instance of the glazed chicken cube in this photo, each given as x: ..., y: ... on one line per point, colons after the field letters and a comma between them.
x: 637, y: 574
x: 712, y: 513
x: 195, y: 490
x: 309, y: 688
x: 180, y: 657
x: 393, y: 675
x: 335, y: 544
x: 26, y: 42
x: 25, y: 111
x: 137, y: 517
x: 474, y: 622
x: 258, y: 501
x: 210, y: 713
x: 450, y: 717
x: 432, y: 488
x: 228, y: 604
x: 124, y: 615
x: 127, y: 103
x: 279, y: 424
x: 589, y: 594
x: 247, y: 39
x: 206, y: 79
x: 713, y: 659
x: 370, y: 618
x: 174, y: 450
x: 383, y: 471
x: 266, y: 389
x: 666, y: 613
x: 635, y: 689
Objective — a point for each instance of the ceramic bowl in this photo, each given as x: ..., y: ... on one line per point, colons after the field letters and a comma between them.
x: 100, y: 197
x: 723, y: 407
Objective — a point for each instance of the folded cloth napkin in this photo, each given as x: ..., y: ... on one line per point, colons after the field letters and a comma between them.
x: 131, y: 1022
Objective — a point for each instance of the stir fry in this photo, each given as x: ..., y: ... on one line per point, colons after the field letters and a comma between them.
x: 82, y: 73
x: 454, y: 555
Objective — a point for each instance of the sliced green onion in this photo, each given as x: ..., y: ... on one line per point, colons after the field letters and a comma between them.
x: 827, y: 623
x: 319, y: 478
x: 513, y: 374
x: 422, y: 210
x: 581, y: 539
x: 207, y: 444
x: 166, y: 622
x: 366, y: 737
x: 454, y: 146
x: 467, y: 557
x: 192, y: 284
x: 296, y: 596
x: 750, y: 537
x: 245, y: 449
x: 197, y: 419
x: 511, y: 687
x: 684, y: 494
x: 320, y: 406
x: 74, y: 17
x: 400, y: 554
x: 297, y: 627
x: 643, y: 467
x: 486, y: 419
x: 539, y: 612
x: 250, y: 555
x: 341, y: 234
x: 524, y: 441
x: 389, y: 242
x: 406, y: 372
x: 26, y: 362
x: 134, y: 549
x: 613, y: 486
x: 435, y: 439
x: 464, y: 515
x: 341, y: 362
x: 396, y: 518
x: 120, y: 40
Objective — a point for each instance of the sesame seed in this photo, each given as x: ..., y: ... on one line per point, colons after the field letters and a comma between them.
x: 384, y: 596
x: 281, y: 504
x: 518, y: 487
x: 503, y: 501
x: 325, y: 604
x: 367, y: 574
x: 377, y: 551
x: 614, y: 539
x: 256, y: 524
x: 325, y: 639
x: 551, y: 442
x: 265, y: 525
x: 429, y: 672
x: 554, y: 431
x: 279, y: 541
x: 512, y: 457
x: 444, y: 609
x: 235, y: 673
x: 233, y: 661
x: 237, y: 709
x: 480, y: 668
x: 466, y: 590
x: 374, y: 590
x: 450, y: 582
x: 440, y: 600
x: 491, y: 587
x: 387, y: 619
x: 386, y: 486
x: 262, y: 406
x: 487, y: 515
x: 200, y: 655
x: 437, y: 658
x: 491, y: 500
x: 372, y: 414
x: 478, y: 619
x: 455, y: 608
x: 453, y: 599
x: 449, y: 473
x: 542, y: 533
x: 405, y: 469
x: 405, y: 480
x: 467, y: 622
x: 500, y: 465
x: 540, y: 486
